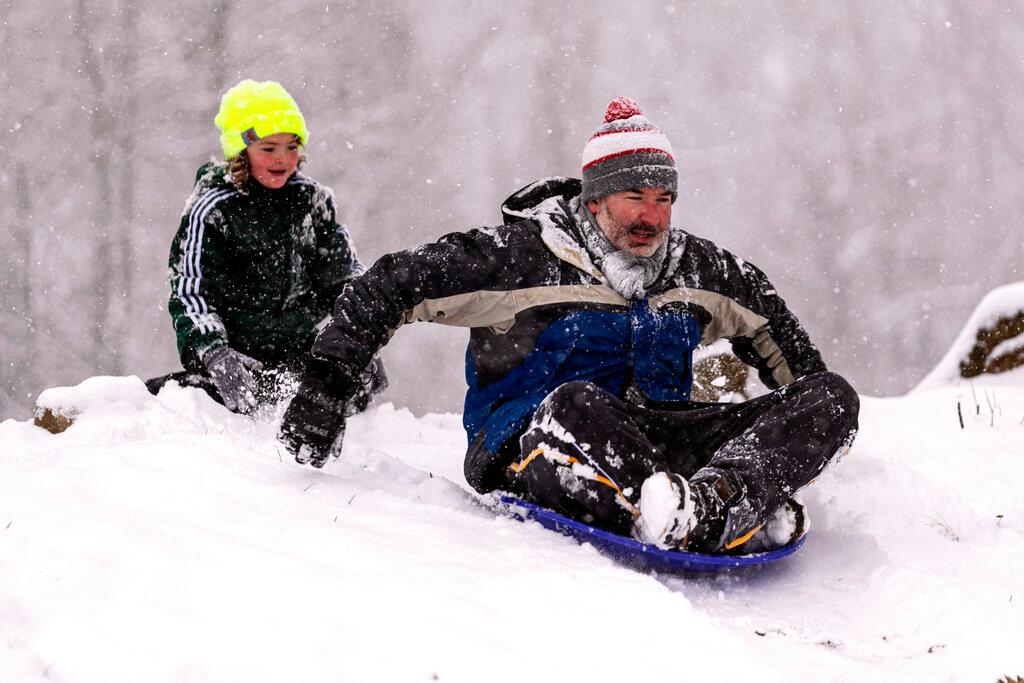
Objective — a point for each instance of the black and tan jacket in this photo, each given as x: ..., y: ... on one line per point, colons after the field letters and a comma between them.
x: 542, y: 315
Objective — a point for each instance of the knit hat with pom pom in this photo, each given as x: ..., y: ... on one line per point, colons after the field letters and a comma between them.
x: 628, y: 152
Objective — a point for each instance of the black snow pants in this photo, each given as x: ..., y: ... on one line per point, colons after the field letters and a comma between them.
x: 586, y: 452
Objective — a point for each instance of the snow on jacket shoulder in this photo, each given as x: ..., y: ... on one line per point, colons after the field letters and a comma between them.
x: 541, y: 315
x: 256, y: 269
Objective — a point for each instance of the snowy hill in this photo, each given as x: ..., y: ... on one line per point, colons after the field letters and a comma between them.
x: 163, y: 539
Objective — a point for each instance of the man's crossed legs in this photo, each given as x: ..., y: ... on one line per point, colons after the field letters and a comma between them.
x: 711, y: 474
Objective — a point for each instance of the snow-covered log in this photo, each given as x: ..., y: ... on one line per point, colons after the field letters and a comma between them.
x: 990, y: 344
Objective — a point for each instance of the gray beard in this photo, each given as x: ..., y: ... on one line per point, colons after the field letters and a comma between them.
x: 628, y: 274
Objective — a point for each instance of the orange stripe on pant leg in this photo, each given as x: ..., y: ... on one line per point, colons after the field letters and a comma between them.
x: 742, y: 539
x: 518, y: 467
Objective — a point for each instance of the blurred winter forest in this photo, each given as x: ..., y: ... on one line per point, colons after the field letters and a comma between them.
x: 869, y: 156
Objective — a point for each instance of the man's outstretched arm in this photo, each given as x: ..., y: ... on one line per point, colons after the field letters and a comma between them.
x: 435, y: 282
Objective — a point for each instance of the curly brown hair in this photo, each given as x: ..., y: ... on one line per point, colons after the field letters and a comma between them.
x: 240, y: 168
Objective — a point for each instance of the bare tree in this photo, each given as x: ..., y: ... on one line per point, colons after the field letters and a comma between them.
x: 124, y: 232
x: 101, y: 142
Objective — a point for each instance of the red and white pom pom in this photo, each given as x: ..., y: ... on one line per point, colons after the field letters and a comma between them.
x: 621, y: 108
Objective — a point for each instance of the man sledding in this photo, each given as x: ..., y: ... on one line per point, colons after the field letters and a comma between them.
x: 585, y: 308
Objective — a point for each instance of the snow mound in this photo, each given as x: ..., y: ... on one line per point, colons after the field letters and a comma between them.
x: 1001, y: 303
x: 165, y: 539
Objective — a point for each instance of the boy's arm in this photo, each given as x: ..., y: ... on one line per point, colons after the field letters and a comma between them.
x: 195, y: 266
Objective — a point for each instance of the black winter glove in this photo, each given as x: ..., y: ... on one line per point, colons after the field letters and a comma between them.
x: 314, y: 423
x: 231, y: 372
x: 372, y: 381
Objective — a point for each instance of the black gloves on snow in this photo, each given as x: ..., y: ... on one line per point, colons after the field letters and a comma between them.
x: 313, y: 427
x: 231, y: 372
x: 314, y: 423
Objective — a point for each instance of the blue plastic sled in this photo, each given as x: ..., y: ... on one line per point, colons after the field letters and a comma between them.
x: 634, y: 553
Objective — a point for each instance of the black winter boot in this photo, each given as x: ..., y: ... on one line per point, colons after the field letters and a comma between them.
x: 708, y: 514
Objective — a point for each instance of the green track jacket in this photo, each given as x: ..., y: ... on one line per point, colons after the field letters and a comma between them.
x: 256, y: 269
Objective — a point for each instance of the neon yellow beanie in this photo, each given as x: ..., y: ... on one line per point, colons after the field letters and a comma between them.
x: 250, y: 111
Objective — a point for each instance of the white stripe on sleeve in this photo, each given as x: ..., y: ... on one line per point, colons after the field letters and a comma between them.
x: 192, y: 274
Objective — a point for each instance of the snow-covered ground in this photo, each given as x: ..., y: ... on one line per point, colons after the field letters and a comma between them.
x: 164, y: 539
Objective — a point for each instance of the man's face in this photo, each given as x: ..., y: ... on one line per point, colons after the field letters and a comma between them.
x: 636, y: 221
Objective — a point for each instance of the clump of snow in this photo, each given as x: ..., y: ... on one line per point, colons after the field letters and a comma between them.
x: 780, y: 529
x: 660, y: 511
x: 97, y: 394
x: 1002, y: 302
x: 165, y: 539
x: 716, y: 348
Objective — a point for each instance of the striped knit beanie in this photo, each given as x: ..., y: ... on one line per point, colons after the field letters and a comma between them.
x: 627, y: 152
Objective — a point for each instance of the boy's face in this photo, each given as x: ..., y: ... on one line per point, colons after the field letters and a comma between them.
x: 636, y: 221
x: 274, y: 159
